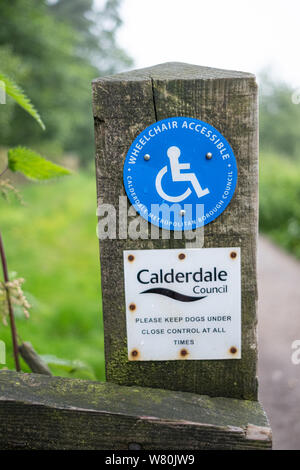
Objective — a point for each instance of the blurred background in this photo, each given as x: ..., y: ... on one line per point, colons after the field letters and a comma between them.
x: 53, y: 49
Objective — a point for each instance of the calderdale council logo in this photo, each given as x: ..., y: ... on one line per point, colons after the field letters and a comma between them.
x: 197, y: 280
x: 172, y: 294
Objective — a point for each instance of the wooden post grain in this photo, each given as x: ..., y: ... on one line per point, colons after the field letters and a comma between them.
x: 124, y: 105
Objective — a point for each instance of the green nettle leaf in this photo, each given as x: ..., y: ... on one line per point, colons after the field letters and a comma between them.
x: 33, y: 165
x: 15, y: 92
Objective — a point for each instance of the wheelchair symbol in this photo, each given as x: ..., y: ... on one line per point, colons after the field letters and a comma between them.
x: 176, y: 167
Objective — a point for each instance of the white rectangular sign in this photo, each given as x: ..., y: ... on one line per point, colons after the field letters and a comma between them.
x: 183, y: 304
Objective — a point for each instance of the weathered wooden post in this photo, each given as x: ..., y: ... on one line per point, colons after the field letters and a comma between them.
x: 182, y: 319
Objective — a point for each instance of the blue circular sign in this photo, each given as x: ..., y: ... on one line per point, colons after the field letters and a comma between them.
x: 180, y: 173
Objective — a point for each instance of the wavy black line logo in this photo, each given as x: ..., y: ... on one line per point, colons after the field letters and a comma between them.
x: 172, y: 294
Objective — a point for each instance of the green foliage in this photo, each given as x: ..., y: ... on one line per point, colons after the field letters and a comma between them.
x: 279, y: 201
x: 279, y: 119
x: 58, y: 255
x: 33, y: 165
x: 24, y: 160
x: 13, y: 90
x: 96, y: 30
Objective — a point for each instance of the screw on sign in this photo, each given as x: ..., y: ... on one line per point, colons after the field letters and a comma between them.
x: 184, y: 353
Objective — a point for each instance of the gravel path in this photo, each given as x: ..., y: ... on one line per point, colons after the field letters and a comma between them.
x: 278, y: 327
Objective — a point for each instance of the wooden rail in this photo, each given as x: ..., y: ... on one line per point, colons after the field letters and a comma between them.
x: 41, y: 412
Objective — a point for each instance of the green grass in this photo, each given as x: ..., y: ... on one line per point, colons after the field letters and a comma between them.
x: 52, y: 243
